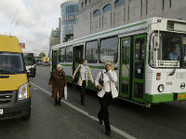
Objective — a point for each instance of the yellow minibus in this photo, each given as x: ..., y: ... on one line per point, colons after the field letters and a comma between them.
x: 15, y: 100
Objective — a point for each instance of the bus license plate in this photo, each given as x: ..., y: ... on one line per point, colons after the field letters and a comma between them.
x: 181, y: 96
x: 1, y: 111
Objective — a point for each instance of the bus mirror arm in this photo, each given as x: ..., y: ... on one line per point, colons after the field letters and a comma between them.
x: 174, y: 70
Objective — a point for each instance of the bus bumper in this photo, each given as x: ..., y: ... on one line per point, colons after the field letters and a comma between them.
x: 158, y: 98
x: 18, y: 110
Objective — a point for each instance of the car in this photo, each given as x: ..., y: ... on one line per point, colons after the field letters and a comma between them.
x: 46, y: 63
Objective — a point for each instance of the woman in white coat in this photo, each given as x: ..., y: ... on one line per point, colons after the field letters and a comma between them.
x: 105, y: 82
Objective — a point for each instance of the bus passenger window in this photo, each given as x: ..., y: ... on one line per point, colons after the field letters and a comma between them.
x: 92, y: 52
x: 139, y: 58
x: 62, y: 55
x: 69, y: 55
x: 108, y: 50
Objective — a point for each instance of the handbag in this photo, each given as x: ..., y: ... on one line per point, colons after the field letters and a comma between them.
x: 65, y: 92
x: 101, y: 82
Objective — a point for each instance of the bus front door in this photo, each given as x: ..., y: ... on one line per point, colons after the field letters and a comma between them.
x: 138, y: 79
x: 132, y: 67
x: 77, y: 56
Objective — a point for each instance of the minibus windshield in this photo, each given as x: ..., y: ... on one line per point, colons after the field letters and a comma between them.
x: 11, y: 63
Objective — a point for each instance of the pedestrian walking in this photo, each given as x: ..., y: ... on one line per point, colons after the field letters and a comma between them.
x: 105, y: 82
x: 84, y: 73
x: 58, y: 81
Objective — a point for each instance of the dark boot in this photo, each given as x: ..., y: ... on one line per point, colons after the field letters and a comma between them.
x: 59, y: 101
x: 108, y: 129
x: 100, y: 121
x: 99, y: 118
x: 55, y: 102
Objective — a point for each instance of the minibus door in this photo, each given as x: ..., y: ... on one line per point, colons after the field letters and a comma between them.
x: 78, y: 56
x: 138, y: 75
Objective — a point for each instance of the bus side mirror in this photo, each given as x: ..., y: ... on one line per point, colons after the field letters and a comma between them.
x: 156, y: 42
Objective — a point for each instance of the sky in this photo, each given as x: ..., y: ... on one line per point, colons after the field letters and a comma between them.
x: 31, y: 21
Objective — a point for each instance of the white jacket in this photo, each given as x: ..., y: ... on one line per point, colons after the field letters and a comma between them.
x: 113, y: 78
x: 87, y: 74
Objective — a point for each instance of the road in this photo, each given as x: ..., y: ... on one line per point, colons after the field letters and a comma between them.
x: 73, y: 121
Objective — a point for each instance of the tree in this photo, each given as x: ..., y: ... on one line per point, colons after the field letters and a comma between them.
x: 42, y: 54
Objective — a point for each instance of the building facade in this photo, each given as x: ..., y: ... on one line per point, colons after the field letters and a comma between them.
x: 98, y: 15
x: 69, y: 12
x: 54, y: 38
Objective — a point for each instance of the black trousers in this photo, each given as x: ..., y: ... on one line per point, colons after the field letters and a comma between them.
x: 104, y: 113
x: 83, y: 91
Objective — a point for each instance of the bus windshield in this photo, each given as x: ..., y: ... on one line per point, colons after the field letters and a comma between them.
x: 171, y: 51
x: 11, y: 63
x: 29, y: 59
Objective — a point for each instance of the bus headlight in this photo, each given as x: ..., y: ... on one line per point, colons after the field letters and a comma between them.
x: 161, y: 88
x: 182, y: 86
x: 22, y: 92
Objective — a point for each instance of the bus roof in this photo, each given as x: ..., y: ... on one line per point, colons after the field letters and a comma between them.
x: 9, y: 44
x: 127, y: 28
x: 109, y: 32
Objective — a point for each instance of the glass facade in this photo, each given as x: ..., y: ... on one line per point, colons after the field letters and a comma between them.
x: 69, y: 12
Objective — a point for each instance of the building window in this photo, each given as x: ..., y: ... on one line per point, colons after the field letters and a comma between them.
x: 90, y: 1
x: 69, y: 54
x: 119, y: 3
x: 107, y: 8
x: 85, y: 2
x: 92, y: 51
x: 146, y: 7
x: 96, y: 13
x: 62, y: 55
x: 123, y: 14
x: 170, y: 3
x: 141, y: 8
x: 163, y: 4
x: 108, y: 49
x: 128, y: 12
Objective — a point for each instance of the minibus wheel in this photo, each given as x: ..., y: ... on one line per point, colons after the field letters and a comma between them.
x: 28, y: 115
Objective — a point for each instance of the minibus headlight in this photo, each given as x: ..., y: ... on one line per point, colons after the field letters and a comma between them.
x: 161, y: 88
x: 22, y: 92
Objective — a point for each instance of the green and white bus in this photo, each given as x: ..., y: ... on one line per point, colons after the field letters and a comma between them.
x: 141, y: 53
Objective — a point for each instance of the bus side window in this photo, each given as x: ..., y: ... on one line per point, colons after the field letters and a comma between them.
x: 139, y: 58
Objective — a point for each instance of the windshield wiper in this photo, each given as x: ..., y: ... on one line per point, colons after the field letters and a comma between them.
x: 6, y: 72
